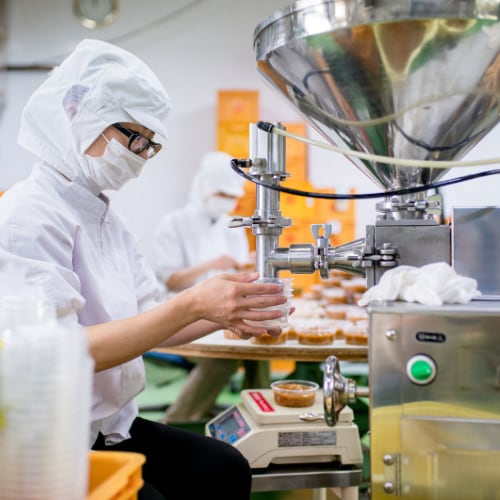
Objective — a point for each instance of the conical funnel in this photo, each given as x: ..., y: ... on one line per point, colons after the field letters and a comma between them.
x: 413, y: 79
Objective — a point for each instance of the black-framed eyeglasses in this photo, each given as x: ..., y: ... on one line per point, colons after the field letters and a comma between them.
x: 137, y: 143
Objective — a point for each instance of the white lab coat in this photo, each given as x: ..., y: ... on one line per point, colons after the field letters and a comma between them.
x: 66, y: 237
x: 79, y: 252
x: 186, y: 236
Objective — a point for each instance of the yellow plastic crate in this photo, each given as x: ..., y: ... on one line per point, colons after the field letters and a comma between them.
x: 115, y: 475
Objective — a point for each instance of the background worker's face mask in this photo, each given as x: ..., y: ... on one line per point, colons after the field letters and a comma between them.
x: 114, y: 168
x: 216, y: 206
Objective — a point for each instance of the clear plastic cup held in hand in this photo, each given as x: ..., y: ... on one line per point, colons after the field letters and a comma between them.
x: 287, y: 291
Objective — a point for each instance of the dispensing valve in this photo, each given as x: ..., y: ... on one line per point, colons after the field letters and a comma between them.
x: 266, y: 166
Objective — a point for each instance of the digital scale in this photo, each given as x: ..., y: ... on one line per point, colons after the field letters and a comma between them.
x: 266, y: 433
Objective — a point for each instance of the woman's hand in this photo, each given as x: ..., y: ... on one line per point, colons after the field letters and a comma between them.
x: 226, y: 301
x: 229, y: 299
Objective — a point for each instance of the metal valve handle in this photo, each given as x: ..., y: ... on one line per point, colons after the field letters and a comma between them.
x: 337, y: 391
x: 332, y: 384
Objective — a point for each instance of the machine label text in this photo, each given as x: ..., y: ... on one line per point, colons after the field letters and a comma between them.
x: 431, y: 337
x: 309, y: 438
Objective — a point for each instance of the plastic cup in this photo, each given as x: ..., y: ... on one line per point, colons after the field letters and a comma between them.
x: 294, y: 393
x: 282, y: 321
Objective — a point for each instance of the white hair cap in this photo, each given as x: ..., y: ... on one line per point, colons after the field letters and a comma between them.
x: 215, y: 175
x: 97, y: 85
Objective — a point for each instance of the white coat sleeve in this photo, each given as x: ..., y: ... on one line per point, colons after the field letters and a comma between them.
x: 40, y: 248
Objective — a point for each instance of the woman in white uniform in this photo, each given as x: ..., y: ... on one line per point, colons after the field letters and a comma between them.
x: 191, y: 244
x: 92, y: 124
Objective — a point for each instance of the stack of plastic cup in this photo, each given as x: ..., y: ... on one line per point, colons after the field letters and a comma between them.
x: 45, y: 400
x: 282, y: 321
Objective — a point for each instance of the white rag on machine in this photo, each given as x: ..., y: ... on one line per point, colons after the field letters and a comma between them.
x: 433, y: 285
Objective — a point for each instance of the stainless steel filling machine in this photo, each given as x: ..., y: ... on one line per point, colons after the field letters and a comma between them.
x: 405, y: 88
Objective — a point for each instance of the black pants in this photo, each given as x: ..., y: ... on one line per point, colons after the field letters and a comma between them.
x: 182, y: 464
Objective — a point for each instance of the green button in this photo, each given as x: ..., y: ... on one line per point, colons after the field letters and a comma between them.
x: 422, y: 370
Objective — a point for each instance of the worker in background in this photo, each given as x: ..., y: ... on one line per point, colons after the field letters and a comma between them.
x: 191, y: 244
x: 93, y: 124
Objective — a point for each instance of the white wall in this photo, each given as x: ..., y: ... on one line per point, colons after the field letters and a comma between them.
x: 206, y: 46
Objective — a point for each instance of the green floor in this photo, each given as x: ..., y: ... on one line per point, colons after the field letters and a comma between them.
x: 164, y: 382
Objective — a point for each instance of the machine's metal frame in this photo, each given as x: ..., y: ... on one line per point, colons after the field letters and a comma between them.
x: 438, y: 435
x: 400, y: 79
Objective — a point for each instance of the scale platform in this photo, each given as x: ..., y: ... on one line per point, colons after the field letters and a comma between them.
x: 267, y: 433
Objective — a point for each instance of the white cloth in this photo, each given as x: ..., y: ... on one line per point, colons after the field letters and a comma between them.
x: 66, y: 238
x: 433, y: 284
x: 186, y: 236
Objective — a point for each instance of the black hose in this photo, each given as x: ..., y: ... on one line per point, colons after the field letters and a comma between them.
x: 237, y: 165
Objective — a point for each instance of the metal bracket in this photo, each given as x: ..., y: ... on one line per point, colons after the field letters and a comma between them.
x: 384, y: 256
x: 321, y: 233
x: 392, y: 474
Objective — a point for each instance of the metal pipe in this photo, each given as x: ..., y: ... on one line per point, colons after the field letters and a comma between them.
x: 268, y: 151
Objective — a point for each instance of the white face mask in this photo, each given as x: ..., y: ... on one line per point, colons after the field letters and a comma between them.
x: 217, y: 206
x: 114, y: 168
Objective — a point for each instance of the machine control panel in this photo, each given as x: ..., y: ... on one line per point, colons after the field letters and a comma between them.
x: 421, y: 369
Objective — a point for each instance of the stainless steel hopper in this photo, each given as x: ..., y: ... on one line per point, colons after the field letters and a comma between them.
x: 413, y: 79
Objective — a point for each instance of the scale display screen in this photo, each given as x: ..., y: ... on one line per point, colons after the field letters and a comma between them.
x: 230, y: 426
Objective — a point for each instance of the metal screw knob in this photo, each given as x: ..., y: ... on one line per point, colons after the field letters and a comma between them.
x: 391, y: 334
x: 389, y: 488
